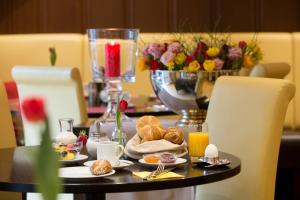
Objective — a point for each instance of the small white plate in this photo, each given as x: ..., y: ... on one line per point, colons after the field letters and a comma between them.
x: 78, y: 158
x: 123, y: 164
x: 80, y: 173
x: 178, y: 161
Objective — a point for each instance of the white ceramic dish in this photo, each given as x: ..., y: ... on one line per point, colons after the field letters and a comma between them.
x: 78, y: 158
x: 123, y: 164
x: 178, y: 161
x: 79, y: 173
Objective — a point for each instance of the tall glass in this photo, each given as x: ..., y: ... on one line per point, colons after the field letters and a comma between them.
x: 113, y: 57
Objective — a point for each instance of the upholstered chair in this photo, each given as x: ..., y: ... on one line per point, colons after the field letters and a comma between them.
x: 8, y: 139
x: 271, y: 70
x: 245, y: 118
x: 61, y: 88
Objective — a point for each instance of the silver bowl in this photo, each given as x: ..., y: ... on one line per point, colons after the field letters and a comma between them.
x: 186, y: 93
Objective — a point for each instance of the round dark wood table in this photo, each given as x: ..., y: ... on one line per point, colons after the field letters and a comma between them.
x: 16, y: 174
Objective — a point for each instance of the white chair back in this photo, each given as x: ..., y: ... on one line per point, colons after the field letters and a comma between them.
x: 61, y: 88
x: 245, y: 117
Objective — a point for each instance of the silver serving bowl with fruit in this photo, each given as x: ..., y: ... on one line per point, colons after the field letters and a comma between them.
x: 186, y: 93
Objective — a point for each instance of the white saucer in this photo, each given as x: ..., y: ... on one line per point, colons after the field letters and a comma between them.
x: 178, y: 161
x: 123, y: 164
x: 79, y: 173
x: 78, y: 158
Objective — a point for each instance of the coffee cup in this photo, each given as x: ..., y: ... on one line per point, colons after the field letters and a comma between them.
x: 110, y: 151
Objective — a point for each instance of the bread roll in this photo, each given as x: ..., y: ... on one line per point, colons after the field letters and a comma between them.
x: 153, y: 133
x: 101, y: 167
x: 174, y: 135
x: 143, y: 124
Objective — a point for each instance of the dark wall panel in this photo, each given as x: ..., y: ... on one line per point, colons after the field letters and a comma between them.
x: 279, y: 15
x: 62, y: 15
x: 36, y: 16
x: 236, y: 15
x: 151, y: 16
x: 104, y: 14
x: 6, y: 10
x: 26, y: 16
x: 194, y: 15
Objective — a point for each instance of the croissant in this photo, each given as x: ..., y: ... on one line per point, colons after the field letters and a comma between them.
x: 174, y: 135
x: 144, y: 123
x: 153, y: 133
x: 101, y: 167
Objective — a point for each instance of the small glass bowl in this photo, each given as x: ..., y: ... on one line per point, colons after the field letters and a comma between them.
x: 151, y: 158
x: 167, y: 157
x: 68, y: 151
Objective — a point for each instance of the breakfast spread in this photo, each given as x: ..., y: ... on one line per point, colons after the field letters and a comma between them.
x: 100, y: 167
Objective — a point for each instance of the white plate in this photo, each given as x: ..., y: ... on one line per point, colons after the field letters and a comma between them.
x: 80, y: 173
x: 123, y: 164
x: 177, y: 162
x: 78, y: 158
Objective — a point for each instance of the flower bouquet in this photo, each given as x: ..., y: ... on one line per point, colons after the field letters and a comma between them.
x: 183, y: 71
x: 211, y: 54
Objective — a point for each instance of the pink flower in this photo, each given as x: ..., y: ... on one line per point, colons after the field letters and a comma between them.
x: 156, y: 50
x: 167, y: 57
x: 145, y: 50
x: 219, y: 63
x: 175, y: 47
x: 235, y: 53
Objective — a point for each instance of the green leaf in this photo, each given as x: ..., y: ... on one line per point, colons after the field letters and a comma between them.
x: 53, y: 57
x: 46, y: 168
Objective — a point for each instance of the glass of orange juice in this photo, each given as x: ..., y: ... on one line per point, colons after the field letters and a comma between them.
x: 198, y: 141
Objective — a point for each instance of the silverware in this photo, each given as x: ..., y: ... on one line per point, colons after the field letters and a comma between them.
x: 160, y: 169
x: 165, y: 171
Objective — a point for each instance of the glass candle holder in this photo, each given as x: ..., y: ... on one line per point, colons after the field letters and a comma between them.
x: 113, y: 57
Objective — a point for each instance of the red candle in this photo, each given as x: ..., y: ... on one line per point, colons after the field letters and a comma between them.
x: 112, y: 59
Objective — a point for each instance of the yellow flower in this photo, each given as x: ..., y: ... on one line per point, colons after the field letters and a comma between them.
x: 209, y: 65
x: 186, y: 68
x: 180, y: 58
x: 252, y: 44
x: 194, y: 66
x: 170, y: 65
x: 213, y: 51
x: 248, y: 61
x: 142, y: 65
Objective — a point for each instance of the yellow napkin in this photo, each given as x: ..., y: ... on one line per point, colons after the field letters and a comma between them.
x: 167, y: 175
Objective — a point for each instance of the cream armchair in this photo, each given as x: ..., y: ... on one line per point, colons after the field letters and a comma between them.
x: 245, y: 117
x: 62, y: 90
x: 271, y: 70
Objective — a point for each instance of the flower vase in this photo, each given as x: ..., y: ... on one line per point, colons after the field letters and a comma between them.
x: 118, y: 135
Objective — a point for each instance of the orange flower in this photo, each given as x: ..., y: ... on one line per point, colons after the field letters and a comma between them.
x: 248, y: 61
